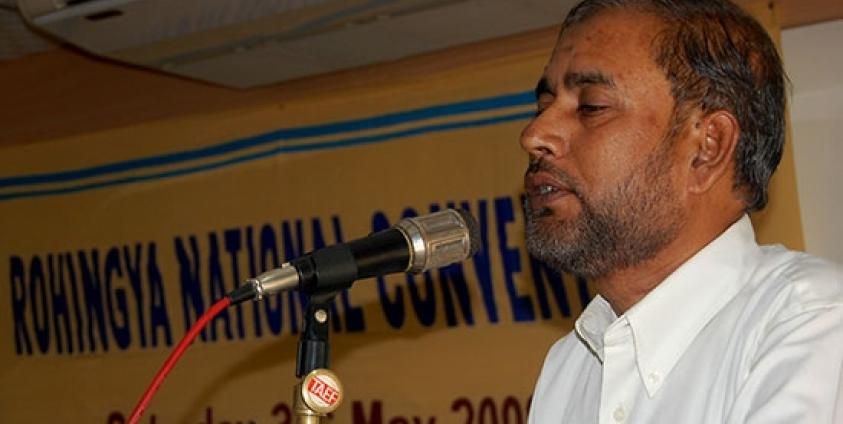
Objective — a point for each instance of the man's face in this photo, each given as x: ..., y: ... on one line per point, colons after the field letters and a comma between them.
x: 601, y: 188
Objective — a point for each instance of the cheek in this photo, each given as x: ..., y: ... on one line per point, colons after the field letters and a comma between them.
x: 608, y: 162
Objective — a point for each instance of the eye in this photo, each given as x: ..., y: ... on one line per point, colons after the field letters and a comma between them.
x: 543, y: 102
x: 590, y: 109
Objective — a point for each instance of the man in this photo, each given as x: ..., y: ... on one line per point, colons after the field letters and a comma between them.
x: 659, y: 124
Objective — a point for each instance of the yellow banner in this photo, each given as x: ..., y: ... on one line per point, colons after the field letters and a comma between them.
x: 115, y: 242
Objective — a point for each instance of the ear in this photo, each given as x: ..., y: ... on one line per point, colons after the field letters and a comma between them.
x: 714, y: 150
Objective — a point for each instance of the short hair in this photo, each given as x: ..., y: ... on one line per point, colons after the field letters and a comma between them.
x: 717, y: 57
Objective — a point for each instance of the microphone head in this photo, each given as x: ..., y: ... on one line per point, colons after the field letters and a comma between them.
x: 473, y: 231
x: 440, y: 239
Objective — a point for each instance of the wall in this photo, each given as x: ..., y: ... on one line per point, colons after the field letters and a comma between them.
x: 814, y: 63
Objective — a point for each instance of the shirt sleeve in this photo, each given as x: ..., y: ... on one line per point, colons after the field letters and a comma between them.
x: 797, y: 375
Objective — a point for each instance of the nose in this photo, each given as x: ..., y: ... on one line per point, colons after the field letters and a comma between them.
x: 544, y: 136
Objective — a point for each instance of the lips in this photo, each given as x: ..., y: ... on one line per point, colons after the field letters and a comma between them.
x: 543, y: 188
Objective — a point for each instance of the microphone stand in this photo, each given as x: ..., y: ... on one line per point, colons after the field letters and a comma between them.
x: 318, y: 391
x: 414, y: 245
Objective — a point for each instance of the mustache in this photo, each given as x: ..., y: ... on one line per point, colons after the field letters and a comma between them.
x: 540, y: 164
x: 537, y: 164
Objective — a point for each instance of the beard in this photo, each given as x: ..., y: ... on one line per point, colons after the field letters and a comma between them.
x: 628, y: 225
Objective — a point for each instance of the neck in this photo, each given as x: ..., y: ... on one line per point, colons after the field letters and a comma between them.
x: 624, y: 288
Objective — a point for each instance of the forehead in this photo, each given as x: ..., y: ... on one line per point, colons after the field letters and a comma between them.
x: 618, y: 43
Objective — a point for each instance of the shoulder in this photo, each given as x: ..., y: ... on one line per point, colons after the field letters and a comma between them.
x: 791, y: 364
x: 796, y: 282
x: 792, y: 298
x: 800, y: 266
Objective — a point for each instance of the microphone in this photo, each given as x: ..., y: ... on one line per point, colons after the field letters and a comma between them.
x: 413, y: 245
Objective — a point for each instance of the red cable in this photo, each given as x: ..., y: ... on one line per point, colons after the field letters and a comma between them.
x: 175, y: 356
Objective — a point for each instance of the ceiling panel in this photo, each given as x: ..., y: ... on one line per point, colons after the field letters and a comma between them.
x: 233, y: 38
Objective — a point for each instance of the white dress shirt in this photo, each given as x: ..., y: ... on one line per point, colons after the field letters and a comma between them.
x: 737, y: 334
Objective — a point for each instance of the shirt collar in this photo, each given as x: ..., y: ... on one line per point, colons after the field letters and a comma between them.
x: 690, y: 297
x: 593, y: 323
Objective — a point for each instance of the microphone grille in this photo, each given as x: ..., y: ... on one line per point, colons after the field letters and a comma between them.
x: 440, y: 239
x: 473, y: 231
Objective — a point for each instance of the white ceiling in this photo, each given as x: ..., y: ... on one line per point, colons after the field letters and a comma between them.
x: 250, y: 43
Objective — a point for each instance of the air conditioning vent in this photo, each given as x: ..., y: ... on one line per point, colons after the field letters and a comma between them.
x: 105, y: 14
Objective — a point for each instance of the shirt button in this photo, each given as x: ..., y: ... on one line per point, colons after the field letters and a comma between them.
x: 655, y: 378
x: 619, y: 415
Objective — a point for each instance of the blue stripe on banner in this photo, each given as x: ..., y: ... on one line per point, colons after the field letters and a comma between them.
x: 355, y: 141
x: 285, y: 134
